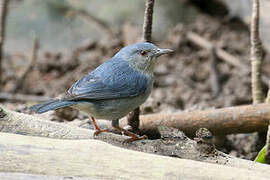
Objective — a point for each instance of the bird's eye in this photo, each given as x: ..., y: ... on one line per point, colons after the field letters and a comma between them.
x: 143, y: 53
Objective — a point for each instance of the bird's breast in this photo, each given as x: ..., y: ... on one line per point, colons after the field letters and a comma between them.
x: 111, y: 109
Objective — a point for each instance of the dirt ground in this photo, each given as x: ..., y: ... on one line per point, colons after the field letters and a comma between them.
x: 182, y: 79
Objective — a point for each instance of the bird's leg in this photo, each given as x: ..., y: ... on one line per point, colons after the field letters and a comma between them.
x: 134, y: 137
x: 98, y: 130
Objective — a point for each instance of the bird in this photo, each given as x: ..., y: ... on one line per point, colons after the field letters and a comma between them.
x: 114, y: 88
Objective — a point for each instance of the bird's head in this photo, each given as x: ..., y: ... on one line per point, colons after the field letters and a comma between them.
x: 142, y: 56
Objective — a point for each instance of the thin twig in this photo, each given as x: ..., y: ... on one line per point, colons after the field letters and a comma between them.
x: 133, y: 117
x: 256, y: 55
x: 214, y: 74
x: 21, y: 79
x: 148, y: 20
x: 3, y: 14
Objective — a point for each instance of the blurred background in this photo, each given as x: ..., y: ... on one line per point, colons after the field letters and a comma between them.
x: 76, y: 36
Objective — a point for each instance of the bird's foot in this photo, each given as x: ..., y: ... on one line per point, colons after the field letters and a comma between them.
x: 135, y: 137
x: 98, y: 131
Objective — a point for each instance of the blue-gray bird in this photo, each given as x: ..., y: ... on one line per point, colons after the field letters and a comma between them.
x: 114, y: 88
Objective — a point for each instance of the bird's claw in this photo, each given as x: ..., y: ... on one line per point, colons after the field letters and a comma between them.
x: 135, y: 138
x: 97, y: 132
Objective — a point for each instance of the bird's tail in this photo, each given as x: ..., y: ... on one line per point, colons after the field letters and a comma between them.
x: 51, y: 105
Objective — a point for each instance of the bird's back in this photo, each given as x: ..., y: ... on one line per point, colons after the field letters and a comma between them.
x: 111, y: 80
x: 111, y: 91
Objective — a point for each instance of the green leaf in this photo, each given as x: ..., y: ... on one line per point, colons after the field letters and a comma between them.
x: 261, y: 156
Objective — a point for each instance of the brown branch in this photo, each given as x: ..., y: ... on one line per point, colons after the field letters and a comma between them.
x: 172, y: 143
x: 133, y: 120
x: 231, y: 120
x: 256, y: 54
x: 148, y: 20
x: 133, y: 117
x: 214, y: 74
x: 3, y: 14
x: 20, y: 80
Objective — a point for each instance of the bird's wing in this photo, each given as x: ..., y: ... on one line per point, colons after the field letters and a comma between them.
x: 113, y: 79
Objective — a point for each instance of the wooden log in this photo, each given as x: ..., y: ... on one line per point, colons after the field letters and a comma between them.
x: 98, y: 160
x: 239, y: 119
x: 172, y: 143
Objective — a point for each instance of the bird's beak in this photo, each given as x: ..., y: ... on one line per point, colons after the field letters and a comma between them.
x: 160, y: 52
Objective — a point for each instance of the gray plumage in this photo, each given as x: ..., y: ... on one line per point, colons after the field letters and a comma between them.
x: 114, y: 88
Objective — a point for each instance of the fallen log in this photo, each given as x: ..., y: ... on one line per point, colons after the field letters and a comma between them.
x: 238, y: 119
x: 172, y: 143
x: 99, y: 160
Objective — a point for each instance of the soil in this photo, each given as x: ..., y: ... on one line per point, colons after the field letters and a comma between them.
x: 182, y: 79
